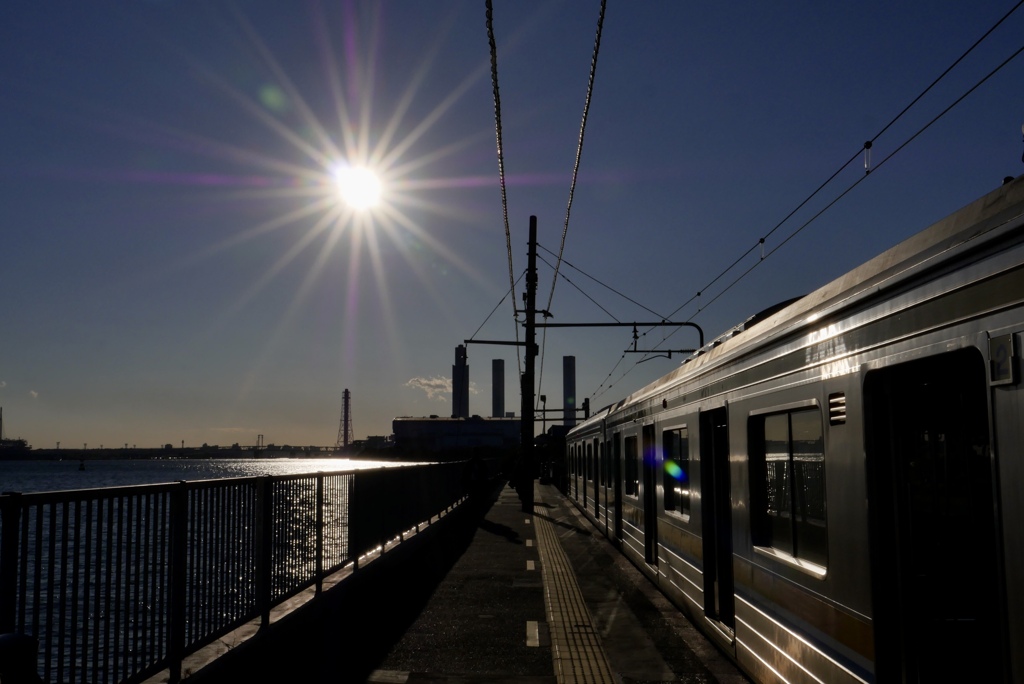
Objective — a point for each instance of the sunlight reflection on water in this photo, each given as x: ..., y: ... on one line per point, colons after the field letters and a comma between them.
x: 47, y: 476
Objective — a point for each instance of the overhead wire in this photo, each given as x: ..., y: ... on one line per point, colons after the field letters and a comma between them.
x: 579, y: 144
x: 867, y: 146
x: 575, y: 173
x: 948, y: 69
x: 856, y: 155
x: 845, y: 192
x: 501, y: 166
x: 602, y: 284
x: 622, y: 357
x: 580, y: 290
x: 761, y: 242
x: 511, y: 291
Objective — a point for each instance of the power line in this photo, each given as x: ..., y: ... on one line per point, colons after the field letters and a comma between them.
x: 602, y: 284
x: 944, y: 73
x: 501, y: 164
x: 575, y: 171
x: 510, y: 292
x: 867, y: 146
x: 579, y: 145
x: 594, y: 301
x: 845, y: 192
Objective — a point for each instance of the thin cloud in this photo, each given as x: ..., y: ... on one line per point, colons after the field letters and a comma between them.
x: 33, y: 394
x: 435, y: 387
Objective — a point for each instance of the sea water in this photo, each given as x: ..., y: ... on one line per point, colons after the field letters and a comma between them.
x: 41, y: 475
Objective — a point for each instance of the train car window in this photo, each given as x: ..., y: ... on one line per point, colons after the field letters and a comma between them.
x: 788, y: 484
x: 676, y: 470
x: 602, y: 462
x: 632, y: 471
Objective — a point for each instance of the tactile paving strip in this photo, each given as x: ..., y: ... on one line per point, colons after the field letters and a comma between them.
x: 575, y: 645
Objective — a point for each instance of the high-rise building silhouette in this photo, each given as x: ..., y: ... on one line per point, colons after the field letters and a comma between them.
x: 460, y: 384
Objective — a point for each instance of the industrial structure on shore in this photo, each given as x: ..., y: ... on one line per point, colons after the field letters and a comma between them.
x: 462, y: 432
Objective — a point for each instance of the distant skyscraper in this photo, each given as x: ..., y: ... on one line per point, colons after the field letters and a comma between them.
x: 460, y: 384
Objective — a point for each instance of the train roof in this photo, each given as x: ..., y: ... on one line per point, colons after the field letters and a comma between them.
x: 923, y: 250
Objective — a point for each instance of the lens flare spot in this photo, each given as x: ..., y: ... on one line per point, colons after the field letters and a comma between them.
x: 274, y: 99
x: 673, y: 469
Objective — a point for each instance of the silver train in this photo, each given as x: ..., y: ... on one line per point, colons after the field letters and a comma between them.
x: 832, y: 491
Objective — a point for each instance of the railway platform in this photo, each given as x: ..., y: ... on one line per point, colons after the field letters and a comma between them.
x: 499, y: 596
x: 543, y: 598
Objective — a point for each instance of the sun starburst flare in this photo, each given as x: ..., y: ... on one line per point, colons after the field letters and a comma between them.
x: 354, y: 187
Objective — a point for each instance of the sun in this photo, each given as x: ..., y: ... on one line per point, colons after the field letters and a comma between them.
x: 355, y: 186
x: 359, y: 187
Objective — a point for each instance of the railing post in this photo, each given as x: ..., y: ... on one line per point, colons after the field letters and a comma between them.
x: 319, y: 532
x: 264, y: 545
x: 353, y: 547
x: 178, y: 590
x: 10, y: 517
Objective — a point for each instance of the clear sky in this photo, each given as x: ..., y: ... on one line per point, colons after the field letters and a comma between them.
x: 177, y: 264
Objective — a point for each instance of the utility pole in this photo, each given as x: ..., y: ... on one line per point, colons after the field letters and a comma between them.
x: 526, y: 466
x: 527, y: 460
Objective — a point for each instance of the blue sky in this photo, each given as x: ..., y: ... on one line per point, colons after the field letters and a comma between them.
x: 178, y: 266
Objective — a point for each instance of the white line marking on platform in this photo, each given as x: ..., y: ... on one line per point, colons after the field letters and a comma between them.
x: 388, y: 677
x: 530, y: 565
x: 532, y: 633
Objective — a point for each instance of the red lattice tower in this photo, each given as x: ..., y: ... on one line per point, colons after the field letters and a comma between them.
x: 345, y: 435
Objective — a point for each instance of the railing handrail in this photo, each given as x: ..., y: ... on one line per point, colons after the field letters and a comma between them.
x: 73, y: 494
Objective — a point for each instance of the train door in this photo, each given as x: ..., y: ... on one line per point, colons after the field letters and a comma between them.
x: 716, y: 515
x: 935, y: 560
x: 604, y: 482
x: 650, y: 480
x: 575, y: 471
x: 617, y: 479
x: 597, y: 480
x: 588, y: 467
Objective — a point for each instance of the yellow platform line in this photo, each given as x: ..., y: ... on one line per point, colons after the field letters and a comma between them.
x: 575, y: 644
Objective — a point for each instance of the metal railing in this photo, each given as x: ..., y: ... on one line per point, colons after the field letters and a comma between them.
x: 119, y: 584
